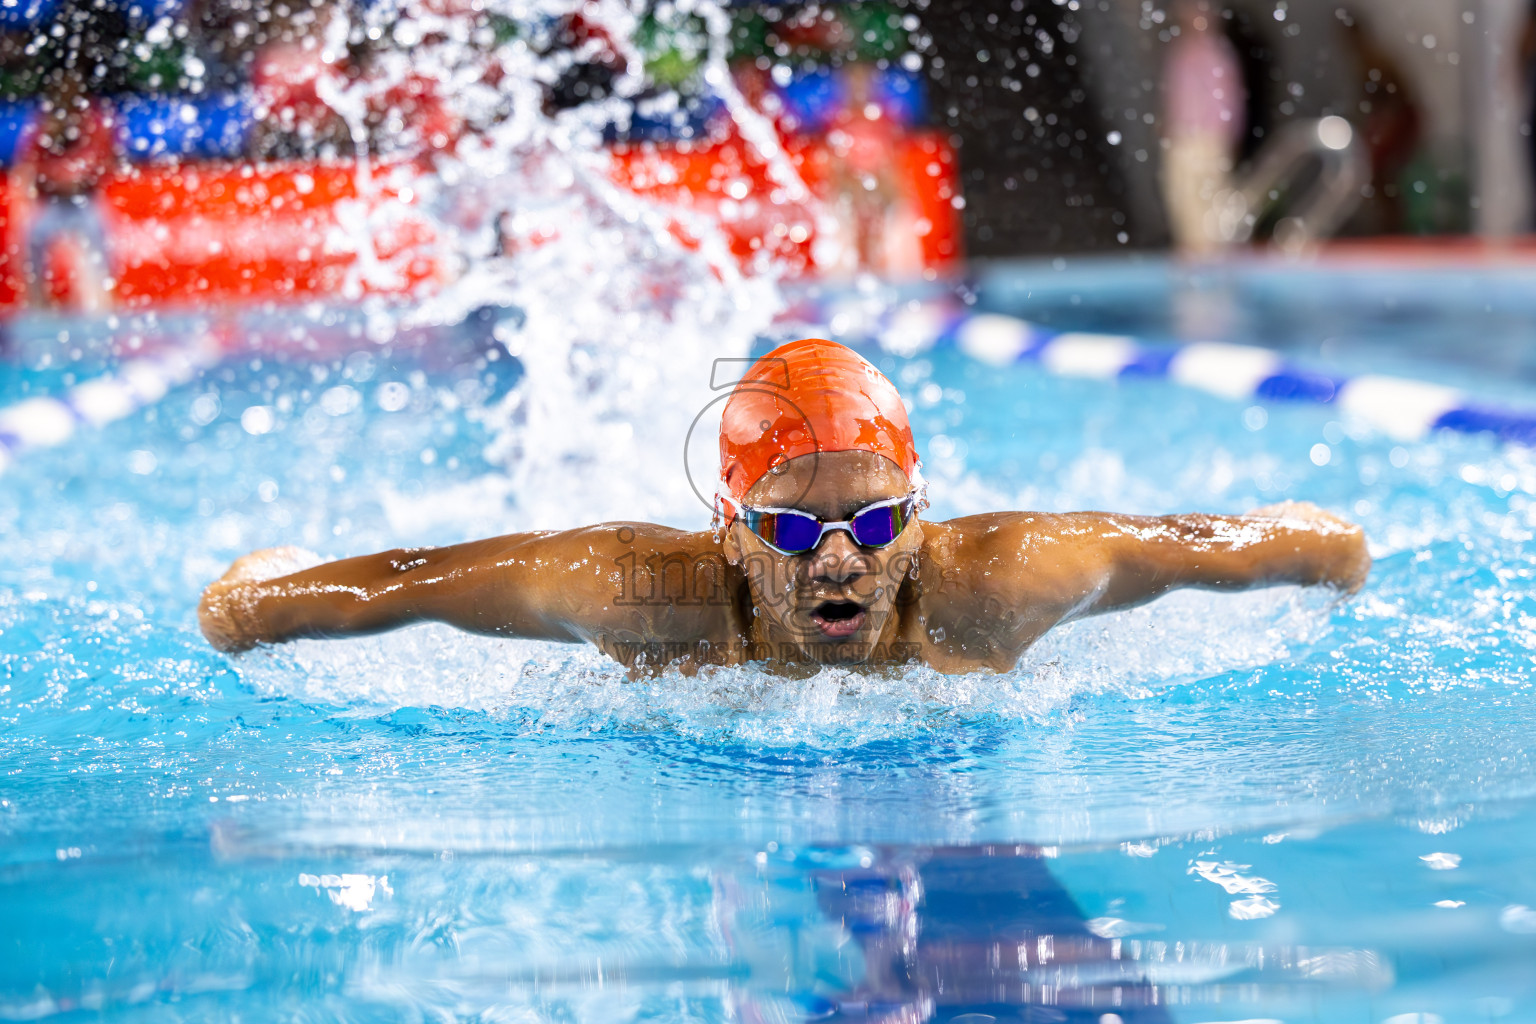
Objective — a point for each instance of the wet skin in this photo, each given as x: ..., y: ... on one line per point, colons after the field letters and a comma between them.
x: 958, y: 595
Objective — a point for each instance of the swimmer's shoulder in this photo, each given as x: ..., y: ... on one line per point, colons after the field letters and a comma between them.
x: 989, y: 535
x: 649, y: 549
x: 984, y: 593
x: 630, y: 533
x: 1015, y: 554
x: 992, y: 584
x: 645, y: 541
x: 660, y: 591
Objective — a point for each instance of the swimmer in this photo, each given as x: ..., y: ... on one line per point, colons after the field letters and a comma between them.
x: 823, y: 558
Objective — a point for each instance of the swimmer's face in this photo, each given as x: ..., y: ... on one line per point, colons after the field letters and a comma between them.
x: 833, y: 601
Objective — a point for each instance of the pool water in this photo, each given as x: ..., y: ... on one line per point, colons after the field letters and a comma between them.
x: 1267, y: 806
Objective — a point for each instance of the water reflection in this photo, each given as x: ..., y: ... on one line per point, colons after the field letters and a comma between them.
x: 988, y: 933
x: 976, y: 934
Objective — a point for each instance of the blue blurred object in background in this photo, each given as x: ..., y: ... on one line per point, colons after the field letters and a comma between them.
x: 19, y: 14
x: 16, y: 14
x: 212, y: 127
x: 690, y: 119
x: 815, y: 95
x: 903, y: 95
x: 812, y: 98
x: 147, y: 12
x: 14, y: 118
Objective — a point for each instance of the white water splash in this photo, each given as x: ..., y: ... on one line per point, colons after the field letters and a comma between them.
x: 550, y: 686
x: 615, y: 318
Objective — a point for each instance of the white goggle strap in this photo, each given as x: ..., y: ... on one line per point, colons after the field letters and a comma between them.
x: 919, y: 485
x: 723, y: 500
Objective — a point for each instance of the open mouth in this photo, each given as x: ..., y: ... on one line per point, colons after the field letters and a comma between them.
x: 838, y: 619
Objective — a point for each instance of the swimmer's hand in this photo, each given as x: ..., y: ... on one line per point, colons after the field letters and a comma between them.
x: 224, y: 612
x: 1350, y: 563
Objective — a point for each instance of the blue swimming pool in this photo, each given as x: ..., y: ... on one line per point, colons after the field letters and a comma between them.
x: 1214, y: 808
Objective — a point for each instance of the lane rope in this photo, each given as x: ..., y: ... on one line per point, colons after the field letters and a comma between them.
x: 1401, y: 408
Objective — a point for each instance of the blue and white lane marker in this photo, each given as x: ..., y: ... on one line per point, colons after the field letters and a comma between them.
x: 1405, y: 410
x: 46, y: 421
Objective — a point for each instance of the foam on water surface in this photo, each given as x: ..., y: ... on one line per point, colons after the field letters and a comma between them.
x: 1185, y: 637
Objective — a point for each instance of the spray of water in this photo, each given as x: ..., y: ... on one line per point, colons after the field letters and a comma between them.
x: 614, y: 316
x: 1189, y: 636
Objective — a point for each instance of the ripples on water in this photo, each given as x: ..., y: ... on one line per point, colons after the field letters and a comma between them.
x: 1273, y: 804
x: 426, y: 820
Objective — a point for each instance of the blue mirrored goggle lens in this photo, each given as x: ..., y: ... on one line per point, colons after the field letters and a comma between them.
x: 789, y: 531
x: 877, y: 527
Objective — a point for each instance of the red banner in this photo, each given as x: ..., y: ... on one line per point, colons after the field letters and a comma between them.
x: 195, y: 234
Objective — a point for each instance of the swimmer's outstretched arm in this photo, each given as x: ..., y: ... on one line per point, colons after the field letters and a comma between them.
x: 1291, y: 543
x: 1023, y: 573
x: 599, y: 583
x: 1101, y: 562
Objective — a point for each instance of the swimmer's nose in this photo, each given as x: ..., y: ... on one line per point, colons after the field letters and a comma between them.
x: 838, y: 558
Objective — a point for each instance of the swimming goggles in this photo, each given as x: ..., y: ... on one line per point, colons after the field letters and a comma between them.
x: 790, y: 531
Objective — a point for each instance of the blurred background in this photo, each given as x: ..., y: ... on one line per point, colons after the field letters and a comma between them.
x: 195, y: 151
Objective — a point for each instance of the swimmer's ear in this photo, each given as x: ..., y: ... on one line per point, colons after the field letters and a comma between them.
x: 915, y: 528
x: 731, y: 545
x: 913, y: 535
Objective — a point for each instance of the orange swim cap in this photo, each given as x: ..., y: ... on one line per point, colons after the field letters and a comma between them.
x: 810, y: 396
